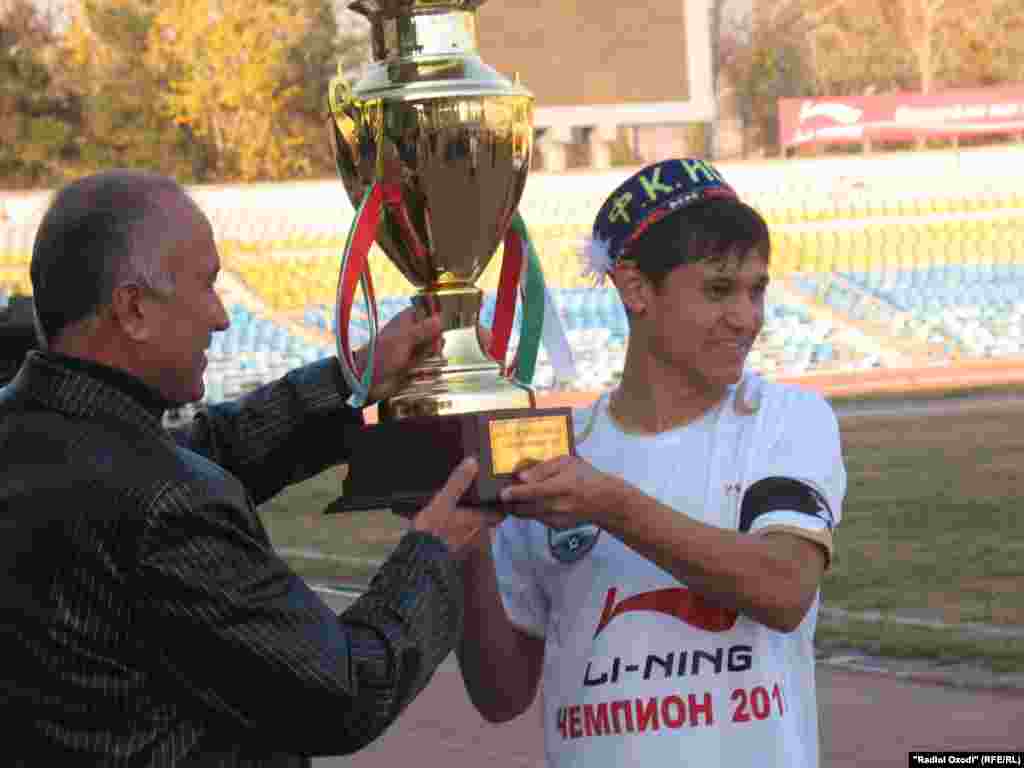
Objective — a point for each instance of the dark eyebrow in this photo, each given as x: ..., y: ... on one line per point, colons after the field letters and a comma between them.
x: 762, y: 280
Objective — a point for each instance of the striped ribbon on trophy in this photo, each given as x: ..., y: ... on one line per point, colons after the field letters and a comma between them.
x: 521, y: 278
x: 541, y: 322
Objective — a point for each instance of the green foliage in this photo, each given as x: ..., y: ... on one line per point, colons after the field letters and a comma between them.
x: 219, y: 92
x: 763, y: 61
x: 800, y: 48
x: 856, y: 52
x: 235, y: 89
x: 120, y: 125
x: 992, y: 46
x: 122, y: 27
x: 36, y: 130
x: 312, y: 64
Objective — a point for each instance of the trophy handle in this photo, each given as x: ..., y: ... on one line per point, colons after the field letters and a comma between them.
x: 355, y: 269
x: 341, y: 103
x: 340, y: 97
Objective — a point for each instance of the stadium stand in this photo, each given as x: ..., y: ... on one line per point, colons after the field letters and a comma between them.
x: 253, y: 350
x: 896, y: 266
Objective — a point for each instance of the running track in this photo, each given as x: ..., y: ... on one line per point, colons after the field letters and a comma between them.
x: 866, y: 720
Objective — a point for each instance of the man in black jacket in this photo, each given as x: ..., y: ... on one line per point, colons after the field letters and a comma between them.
x: 147, y: 620
x: 17, y: 336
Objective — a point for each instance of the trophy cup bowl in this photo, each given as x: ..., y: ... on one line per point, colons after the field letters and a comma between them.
x: 430, y: 119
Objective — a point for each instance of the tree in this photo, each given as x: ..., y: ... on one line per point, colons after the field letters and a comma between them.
x: 206, y: 90
x: 853, y: 50
x: 224, y: 67
x: 913, y: 41
x: 36, y: 118
x: 924, y: 28
x: 854, y: 47
x: 716, y: 11
x: 104, y: 64
x: 991, y: 48
x: 763, y: 57
x: 311, y: 65
x: 929, y: 28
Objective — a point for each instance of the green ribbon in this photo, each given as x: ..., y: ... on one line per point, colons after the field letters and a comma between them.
x: 532, y: 287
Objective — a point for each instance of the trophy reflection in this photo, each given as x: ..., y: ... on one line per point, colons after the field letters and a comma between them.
x: 433, y: 148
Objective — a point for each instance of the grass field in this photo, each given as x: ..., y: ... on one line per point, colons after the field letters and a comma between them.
x: 943, y: 646
x: 932, y: 529
x: 932, y: 524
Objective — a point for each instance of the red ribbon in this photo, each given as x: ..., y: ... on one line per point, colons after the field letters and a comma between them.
x: 357, y: 267
x: 508, y: 285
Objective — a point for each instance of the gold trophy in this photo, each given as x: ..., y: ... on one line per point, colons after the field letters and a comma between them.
x: 449, y: 140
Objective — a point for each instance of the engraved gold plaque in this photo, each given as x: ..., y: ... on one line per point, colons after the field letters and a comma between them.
x: 517, y: 443
x: 413, y: 457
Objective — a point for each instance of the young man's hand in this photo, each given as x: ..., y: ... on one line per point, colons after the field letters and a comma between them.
x: 562, y: 493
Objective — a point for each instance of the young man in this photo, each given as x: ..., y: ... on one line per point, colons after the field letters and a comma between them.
x: 664, y: 582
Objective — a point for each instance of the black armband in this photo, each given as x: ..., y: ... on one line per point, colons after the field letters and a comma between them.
x: 782, y: 493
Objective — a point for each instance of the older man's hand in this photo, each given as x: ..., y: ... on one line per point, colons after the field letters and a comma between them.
x: 405, y: 341
x: 459, y: 527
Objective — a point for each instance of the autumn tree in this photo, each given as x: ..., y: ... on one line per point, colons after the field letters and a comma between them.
x: 206, y: 90
x: 121, y: 126
x: 991, y: 45
x: 762, y: 59
x: 852, y: 49
x: 918, y: 45
x: 312, y: 62
x: 225, y: 72
x: 37, y: 118
x: 929, y: 29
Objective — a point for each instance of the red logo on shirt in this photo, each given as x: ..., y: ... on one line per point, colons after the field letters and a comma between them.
x: 678, y: 602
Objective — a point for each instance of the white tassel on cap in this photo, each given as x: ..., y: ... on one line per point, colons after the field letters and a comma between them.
x: 596, y: 258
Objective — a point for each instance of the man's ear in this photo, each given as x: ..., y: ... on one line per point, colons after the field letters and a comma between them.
x: 132, y: 312
x: 634, y: 287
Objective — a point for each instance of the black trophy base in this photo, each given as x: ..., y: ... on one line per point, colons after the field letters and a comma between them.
x: 400, y: 465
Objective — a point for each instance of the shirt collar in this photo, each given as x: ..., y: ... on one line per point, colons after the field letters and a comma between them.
x: 124, y: 382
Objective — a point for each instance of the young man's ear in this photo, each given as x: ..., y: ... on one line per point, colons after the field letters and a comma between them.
x: 131, y: 312
x: 634, y: 287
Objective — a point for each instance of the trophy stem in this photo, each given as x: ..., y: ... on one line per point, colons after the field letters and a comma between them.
x: 463, y: 378
x: 458, y: 305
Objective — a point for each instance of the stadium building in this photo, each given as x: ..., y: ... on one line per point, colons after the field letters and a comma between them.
x: 615, y: 82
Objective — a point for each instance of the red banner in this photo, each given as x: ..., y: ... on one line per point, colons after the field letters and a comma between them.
x: 902, y: 116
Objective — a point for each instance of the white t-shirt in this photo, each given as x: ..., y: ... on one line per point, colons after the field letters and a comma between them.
x: 637, y: 669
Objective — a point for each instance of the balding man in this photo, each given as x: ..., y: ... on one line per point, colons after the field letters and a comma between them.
x: 147, y: 620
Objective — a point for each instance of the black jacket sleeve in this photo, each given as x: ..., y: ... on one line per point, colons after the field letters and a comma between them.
x: 281, y: 433
x: 237, y: 630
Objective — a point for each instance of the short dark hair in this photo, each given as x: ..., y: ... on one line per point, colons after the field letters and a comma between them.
x: 84, y: 240
x: 706, y: 231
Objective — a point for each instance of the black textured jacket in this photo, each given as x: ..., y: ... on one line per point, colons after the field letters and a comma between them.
x: 145, y: 619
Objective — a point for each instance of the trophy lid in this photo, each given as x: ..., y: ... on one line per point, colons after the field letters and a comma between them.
x: 428, y: 48
x: 390, y: 9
